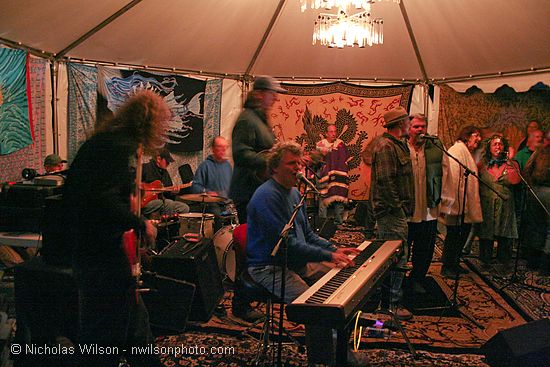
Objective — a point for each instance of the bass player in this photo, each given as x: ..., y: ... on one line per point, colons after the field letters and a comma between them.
x: 97, y: 202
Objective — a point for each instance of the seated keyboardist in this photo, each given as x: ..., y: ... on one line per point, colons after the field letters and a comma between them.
x: 269, y: 210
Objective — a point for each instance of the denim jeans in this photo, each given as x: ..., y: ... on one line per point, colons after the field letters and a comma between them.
x: 338, y: 210
x: 394, y: 226
x: 297, y: 281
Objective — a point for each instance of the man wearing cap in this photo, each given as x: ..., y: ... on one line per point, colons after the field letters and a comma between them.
x: 392, y: 193
x: 157, y: 170
x: 251, y: 136
x: 53, y: 163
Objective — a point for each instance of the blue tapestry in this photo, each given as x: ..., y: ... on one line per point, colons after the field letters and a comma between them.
x: 85, y: 84
x: 82, y: 105
x: 15, y: 127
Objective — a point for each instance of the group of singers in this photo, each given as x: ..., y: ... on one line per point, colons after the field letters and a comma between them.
x: 412, y: 181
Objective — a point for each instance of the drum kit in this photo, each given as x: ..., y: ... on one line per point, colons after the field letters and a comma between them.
x: 194, y: 226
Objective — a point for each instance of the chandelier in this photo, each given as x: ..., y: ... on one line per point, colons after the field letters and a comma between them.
x: 346, y: 29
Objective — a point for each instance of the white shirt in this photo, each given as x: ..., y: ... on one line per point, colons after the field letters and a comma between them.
x: 421, y: 210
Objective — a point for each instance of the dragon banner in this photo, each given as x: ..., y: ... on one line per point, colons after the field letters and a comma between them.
x: 304, y: 113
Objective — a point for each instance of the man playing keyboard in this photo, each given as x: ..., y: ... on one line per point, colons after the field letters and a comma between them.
x: 269, y: 210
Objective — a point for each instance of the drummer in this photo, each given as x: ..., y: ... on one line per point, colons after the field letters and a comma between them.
x: 213, y: 177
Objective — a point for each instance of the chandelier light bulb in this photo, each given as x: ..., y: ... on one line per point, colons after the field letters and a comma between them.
x: 344, y: 28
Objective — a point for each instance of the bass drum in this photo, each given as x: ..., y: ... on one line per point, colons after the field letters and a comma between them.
x: 225, y: 252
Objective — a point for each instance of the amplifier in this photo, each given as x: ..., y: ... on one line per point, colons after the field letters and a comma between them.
x: 168, y: 301
x: 22, y: 206
x: 194, y: 263
x: 46, y: 301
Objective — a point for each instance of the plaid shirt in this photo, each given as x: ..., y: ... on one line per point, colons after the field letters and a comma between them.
x: 392, y: 185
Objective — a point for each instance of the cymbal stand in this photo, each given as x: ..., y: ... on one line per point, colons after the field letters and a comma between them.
x: 201, y: 229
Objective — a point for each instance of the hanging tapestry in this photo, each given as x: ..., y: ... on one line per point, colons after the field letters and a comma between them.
x: 212, y: 113
x: 82, y: 105
x: 31, y: 156
x: 504, y: 111
x: 15, y: 115
x: 184, y: 96
x: 304, y: 113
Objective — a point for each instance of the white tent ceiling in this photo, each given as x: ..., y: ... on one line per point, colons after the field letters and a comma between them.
x: 455, y: 38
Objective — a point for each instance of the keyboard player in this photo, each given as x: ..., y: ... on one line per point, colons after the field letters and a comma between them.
x: 269, y: 210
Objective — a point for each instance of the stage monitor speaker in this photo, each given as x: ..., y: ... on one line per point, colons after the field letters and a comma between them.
x: 168, y: 301
x: 46, y: 301
x: 524, y: 345
x: 56, y: 249
x: 324, y: 227
x: 195, y: 263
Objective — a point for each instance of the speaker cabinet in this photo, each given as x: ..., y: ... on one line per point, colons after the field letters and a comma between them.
x: 22, y: 206
x: 524, y: 345
x: 46, y: 301
x: 56, y: 246
x: 168, y: 301
x: 195, y: 263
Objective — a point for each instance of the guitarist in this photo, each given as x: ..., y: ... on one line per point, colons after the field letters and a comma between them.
x: 97, y: 202
x: 157, y: 170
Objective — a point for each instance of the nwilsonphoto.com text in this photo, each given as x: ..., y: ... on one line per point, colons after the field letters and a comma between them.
x: 95, y: 349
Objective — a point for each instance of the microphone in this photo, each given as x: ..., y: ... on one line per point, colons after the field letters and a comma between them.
x: 429, y: 137
x: 300, y: 176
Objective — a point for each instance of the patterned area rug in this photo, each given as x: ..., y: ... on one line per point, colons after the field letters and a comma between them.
x: 441, y: 337
x: 219, y: 349
x: 528, y: 291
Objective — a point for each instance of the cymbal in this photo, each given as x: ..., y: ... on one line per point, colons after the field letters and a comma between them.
x: 203, y: 198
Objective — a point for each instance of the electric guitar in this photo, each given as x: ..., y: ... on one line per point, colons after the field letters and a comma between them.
x: 152, y: 190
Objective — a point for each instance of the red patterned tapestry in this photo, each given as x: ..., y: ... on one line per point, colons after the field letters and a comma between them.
x: 304, y: 113
x: 504, y: 111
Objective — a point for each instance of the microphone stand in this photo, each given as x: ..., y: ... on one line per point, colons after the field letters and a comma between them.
x: 514, y: 278
x: 283, y: 240
x: 315, y: 206
x: 454, y: 303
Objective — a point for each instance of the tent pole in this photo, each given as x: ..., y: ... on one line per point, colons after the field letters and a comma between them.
x: 54, y: 82
x: 426, y: 89
x: 97, y: 28
x: 413, y: 41
x: 266, y: 34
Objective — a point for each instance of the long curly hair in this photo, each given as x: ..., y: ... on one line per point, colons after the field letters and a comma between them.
x: 487, y: 154
x: 144, y: 118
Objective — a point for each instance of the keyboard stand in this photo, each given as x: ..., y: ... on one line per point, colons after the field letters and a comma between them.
x: 403, y: 333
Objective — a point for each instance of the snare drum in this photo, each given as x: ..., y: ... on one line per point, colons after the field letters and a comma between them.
x: 225, y: 253
x: 191, y: 223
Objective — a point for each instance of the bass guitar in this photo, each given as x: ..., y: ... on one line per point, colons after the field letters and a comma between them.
x: 152, y: 190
